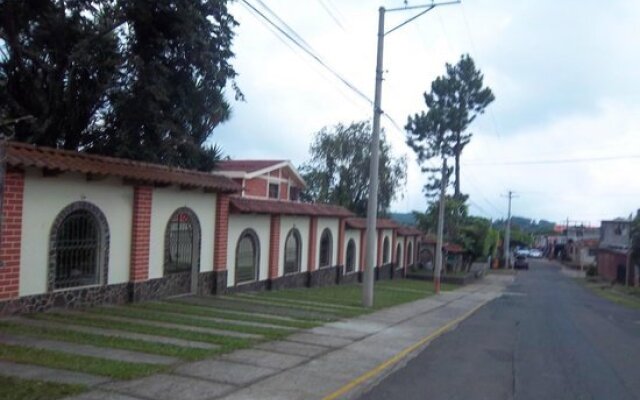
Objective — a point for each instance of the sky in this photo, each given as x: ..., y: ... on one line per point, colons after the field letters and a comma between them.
x: 566, y: 76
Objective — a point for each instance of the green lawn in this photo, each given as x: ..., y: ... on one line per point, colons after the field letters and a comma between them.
x: 628, y: 297
x: 72, y: 362
x: 24, y: 389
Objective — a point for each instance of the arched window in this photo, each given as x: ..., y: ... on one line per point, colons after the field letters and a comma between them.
x: 292, y: 251
x: 386, y: 257
x: 399, y: 256
x: 79, y: 247
x: 351, y: 256
x: 182, y: 242
x: 326, y: 249
x: 247, y: 257
x: 409, y: 254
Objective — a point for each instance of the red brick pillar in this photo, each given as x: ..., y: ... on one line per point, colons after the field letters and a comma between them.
x: 11, y: 236
x: 363, y: 247
x: 221, y: 234
x: 140, y: 235
x: 313, y: 227
x: 274, y: 246
x: 341, y: 231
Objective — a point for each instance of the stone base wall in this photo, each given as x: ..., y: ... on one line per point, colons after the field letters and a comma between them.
x: 167, y: 286
x: 258, y: 286
x: 325, y: 276
x: 353, y: 277
x: 290, y: 281
x: 384, y: 272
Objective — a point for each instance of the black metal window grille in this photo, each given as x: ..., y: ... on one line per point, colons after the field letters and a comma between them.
x: 409, y: 254
x: 180, y: 243
x: 398, y: 256
x: 351, y: 256
x: 247, y: 258
x: 77, y: 251
x: 325, y: 248
x: 274, y: 191
x: 385, y: 251
x: 292, y: 252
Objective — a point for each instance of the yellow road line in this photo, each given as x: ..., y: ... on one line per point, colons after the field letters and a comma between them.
x: 398, y: 357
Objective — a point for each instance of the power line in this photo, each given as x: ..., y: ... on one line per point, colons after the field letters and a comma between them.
x: 556, y: 161
x: 326, y: 8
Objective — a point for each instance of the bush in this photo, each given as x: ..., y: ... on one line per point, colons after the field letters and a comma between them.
x: 592, y: 271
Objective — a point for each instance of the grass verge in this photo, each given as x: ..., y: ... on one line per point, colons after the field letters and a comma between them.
x: 185, y: 353
x: 628, y: 297
x: 25, y: 389
x: 91, y: 365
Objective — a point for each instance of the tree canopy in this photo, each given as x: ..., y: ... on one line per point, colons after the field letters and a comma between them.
x: 130, y: 78
x: 453, y: 103
x: 338, y: 171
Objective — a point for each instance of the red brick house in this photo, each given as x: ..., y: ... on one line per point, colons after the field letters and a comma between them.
x: 613, y: 249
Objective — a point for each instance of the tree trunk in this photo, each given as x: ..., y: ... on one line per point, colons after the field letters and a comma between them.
x: 457, y: 151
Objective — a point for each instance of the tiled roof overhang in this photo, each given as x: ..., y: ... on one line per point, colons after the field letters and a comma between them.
x: 245, y: 205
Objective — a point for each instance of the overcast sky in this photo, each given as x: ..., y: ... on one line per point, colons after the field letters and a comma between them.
x: 566, y: 76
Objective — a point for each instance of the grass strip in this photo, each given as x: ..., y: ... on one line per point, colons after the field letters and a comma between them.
x: 27, y: 389
x: 321, y: 306
x: 204, y: 311
x: 185, y: 353
x: 72, y: 362
x: 227, y: 343
x: 147, y: 315
x: 628, y: 297
x: 273, y: 301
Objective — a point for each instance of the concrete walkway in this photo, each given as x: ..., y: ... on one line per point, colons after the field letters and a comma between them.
x: 337, y: 360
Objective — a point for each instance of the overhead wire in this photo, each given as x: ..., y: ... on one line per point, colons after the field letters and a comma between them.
x: 556, y: 161
x: 328, y: 10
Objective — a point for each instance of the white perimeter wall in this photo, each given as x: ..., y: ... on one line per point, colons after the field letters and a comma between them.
x: 45, y: 197
x: 333, y: 224
x: 355, y: 235
x: 165, y: 202
x: 261, y: 225
x: 302, y: 225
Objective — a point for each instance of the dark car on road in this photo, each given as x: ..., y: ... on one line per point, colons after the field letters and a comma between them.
x: 521, y: 262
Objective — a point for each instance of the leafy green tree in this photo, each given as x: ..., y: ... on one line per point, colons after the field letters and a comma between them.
x: 453, y: 103
x: 338, y: 171
x: 456, y: 213
x: 57, y: 61
x: 133, y: 78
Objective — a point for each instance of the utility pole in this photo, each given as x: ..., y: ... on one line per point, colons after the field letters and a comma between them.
x: 439, y: 241
x: 507, y: 235
x: 372, y: 203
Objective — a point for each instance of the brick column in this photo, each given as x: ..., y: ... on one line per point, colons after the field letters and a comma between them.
x: 221, y: 234
x: 363, y: 247
x: 140, y: 235
x: 341, y: 231
x: 11, y: 236
x: 379, y: 249
x: 313, y: 227
x: 274, y: 246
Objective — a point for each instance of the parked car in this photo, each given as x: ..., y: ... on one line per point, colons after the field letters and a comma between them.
x: 521, y: 262
x: 522, y: 252
x: 535, y: 253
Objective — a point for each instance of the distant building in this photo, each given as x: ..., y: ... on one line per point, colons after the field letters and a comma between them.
x: 613, y: 249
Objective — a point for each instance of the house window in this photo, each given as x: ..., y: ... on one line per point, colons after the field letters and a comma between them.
x: 409, y: 254
x: 182, y: 242
x: 247, y: 257
x: 351, y: 256
x: 294, y: 193
x: 79, y: 247
x: 292, y: 252
x: 274, y: 191
x: 325, y: 248
x: 386, y: 257
x: 399, y: 256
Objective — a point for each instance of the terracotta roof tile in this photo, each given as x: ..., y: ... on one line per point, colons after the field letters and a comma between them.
x: 246, y: 165
x: 409, y: 231
x: 25, y: 155
x: 453, y: 248
x: 429, y: 238
x: 256, y: 206
x: 361, y: 223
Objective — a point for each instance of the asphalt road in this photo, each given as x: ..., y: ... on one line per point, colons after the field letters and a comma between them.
x: 546, y: 338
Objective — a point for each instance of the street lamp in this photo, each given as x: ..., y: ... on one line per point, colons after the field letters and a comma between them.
x: 372, y: 204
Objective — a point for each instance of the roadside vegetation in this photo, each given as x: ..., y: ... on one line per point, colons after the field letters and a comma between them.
x: 625, y: 296
x: 25, y: 389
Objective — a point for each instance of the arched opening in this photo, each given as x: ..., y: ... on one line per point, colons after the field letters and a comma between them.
x: 79, y: 247
x: 409, y: 254
x: 386, y: 256
x: 350, y: 262
x: 326, y: 249
x: 247, y: 257
x: 292, y: 252
x: 182, y: 248
x: 399, y: 256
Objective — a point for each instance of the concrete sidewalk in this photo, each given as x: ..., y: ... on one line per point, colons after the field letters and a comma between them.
x: 337, y: 360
